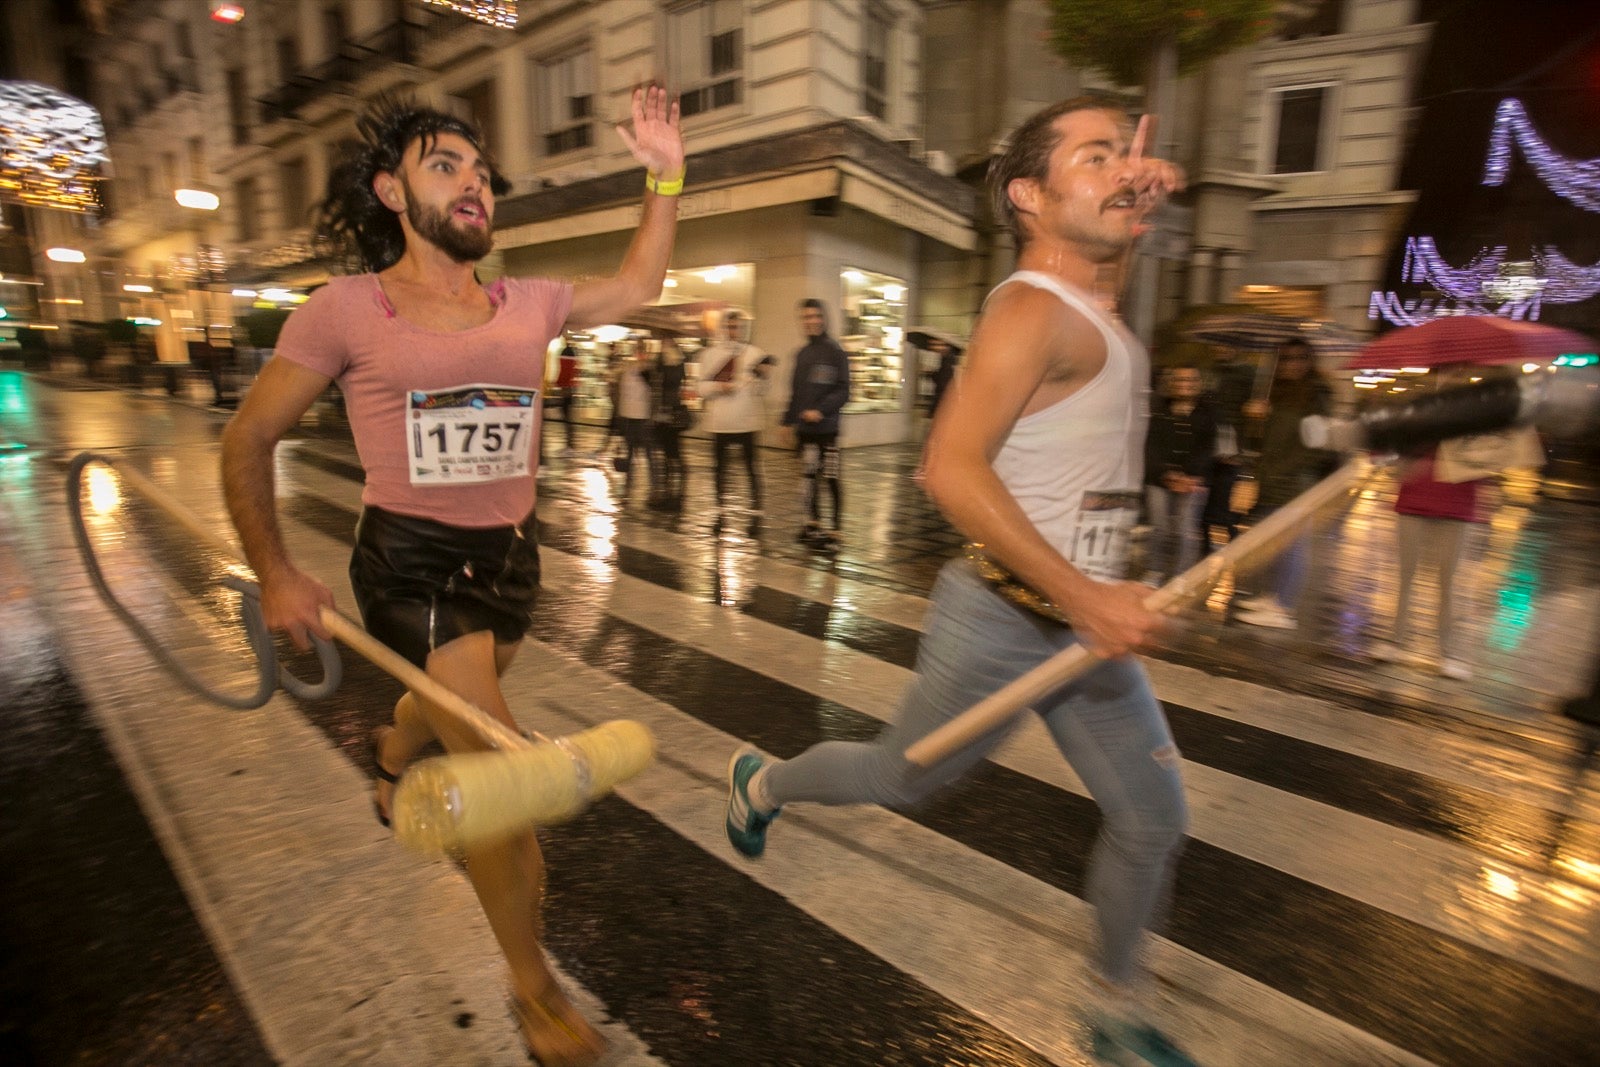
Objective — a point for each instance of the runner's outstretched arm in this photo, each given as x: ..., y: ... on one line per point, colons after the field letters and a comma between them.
x: 657, y: 142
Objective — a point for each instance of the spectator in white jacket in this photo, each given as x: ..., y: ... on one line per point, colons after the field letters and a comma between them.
x: 732, y: 387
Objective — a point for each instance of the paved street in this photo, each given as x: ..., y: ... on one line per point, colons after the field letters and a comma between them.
x: 1385, y: 866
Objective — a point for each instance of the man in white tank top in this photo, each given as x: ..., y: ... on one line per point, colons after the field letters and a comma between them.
x: 1036, y: 455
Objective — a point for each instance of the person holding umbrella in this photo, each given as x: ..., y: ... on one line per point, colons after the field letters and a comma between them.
x: 949, y: 352
x: 1434, y: 511
x: 1437, y: 509
x: 1287, y: 468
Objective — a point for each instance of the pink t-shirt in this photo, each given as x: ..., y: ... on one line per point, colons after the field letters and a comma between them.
x: 446, y: 423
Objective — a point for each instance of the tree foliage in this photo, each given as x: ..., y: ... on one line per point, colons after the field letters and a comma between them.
x: 1118, y: 37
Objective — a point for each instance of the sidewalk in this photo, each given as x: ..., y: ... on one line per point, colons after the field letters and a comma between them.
x: 1528, y: 592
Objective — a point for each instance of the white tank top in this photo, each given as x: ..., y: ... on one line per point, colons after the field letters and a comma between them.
x: 1076, y: 467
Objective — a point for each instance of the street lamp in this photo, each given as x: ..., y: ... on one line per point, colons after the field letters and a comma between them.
x: 198, y: 199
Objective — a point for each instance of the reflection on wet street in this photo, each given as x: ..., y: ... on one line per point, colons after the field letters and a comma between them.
x: 1385, y: 866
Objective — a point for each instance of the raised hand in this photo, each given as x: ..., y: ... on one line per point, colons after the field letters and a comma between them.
x: 1153, y: 179
x: 655, y: 139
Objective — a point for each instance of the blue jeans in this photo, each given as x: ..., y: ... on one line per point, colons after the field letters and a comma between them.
x: 1174, y: 529
x: 1107, y: 724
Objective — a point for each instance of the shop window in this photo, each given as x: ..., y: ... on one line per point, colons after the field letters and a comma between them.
x: 873, y: 332
x: 565, y: 103
x: 875, y: 62
x: 705, y: 52
x: 1297, y: 141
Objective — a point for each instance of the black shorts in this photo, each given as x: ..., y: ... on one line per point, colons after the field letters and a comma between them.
x: 421, y: 584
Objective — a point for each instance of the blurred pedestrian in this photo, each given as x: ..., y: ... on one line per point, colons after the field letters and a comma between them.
x: 613, y: 378
x: 564, y: 388
x: 818, y: 391
x: 1285, y: 469
x: 669, y: 417
x: 1434, y: 517
x: 634, y: 407
x: 1231, y: 382
x: 949, y: 358
x: 1178, y: 454
x: 733, y: 389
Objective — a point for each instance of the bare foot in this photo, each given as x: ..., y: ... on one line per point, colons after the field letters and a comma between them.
x: 555, y: 1034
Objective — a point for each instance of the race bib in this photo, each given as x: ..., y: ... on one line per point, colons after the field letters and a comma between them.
x: 476, y: 433
x: 1105, y: 523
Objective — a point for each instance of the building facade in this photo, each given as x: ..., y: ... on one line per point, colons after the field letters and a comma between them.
x: 1292, y: 147
x: 836, y: 150
x: 803, y: 120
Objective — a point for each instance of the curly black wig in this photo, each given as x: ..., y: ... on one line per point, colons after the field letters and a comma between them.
x: 352, y: 222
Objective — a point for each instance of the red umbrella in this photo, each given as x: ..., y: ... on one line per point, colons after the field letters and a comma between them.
x: 1469, y: 339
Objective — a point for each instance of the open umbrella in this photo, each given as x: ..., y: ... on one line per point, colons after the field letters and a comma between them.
x: 1469, y: 339
x: 923, y: 337
x: 1263, y: 333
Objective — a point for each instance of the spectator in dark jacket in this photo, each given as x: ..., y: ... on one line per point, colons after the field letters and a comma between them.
x: 669, y: 418
x: 949, y: 357
x: 1286, y: 469
x: 1177, y: 457
x: 818, y: 391
x: 1233, y: 380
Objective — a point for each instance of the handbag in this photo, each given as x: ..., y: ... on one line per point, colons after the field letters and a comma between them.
x: 682, y: 418
x: 1484, y: 455
x: 620, y: 464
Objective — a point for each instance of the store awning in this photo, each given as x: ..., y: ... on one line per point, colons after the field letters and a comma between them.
x: 836, y: 160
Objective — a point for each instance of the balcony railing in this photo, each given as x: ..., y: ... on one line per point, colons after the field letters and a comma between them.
x: 397, y: 42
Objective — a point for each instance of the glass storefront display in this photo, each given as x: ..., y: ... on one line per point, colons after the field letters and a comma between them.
x: 686, y: 312
x: 873, y: 332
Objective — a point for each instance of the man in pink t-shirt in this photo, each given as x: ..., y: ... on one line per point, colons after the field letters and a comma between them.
x: 441, y: 377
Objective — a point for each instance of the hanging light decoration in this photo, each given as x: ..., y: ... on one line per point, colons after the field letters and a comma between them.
x: 1577, y: 180
x: 501, y: 13
x: 50, y: 145
x: 1491, y: 283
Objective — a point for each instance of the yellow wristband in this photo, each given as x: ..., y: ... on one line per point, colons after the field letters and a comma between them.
x: 664, y: 187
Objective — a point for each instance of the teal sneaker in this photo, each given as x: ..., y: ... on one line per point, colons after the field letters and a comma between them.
x: 1135, y: 1045
x: 747, y: 827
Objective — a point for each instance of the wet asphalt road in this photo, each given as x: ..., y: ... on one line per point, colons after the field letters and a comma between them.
x: 107, y: 960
